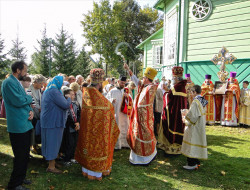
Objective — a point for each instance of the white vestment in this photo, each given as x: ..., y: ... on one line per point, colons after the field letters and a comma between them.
x: 122, y: 119
x: 194, y: 144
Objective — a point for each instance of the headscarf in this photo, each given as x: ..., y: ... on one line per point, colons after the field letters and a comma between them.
x: 56, y: 83
x: 202, y: 100
x: 161, y: 86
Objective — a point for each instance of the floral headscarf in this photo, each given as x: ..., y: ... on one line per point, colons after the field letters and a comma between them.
x: 57, y: 83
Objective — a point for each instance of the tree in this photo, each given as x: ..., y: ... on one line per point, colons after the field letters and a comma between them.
x: 64, y: 53
x: 17, y: 52
x: 41, y: 58
x: 100, y: 32
x: 105, y: 27
x: 83, y: 64
x: 4, y: 62
x: 135, y: 25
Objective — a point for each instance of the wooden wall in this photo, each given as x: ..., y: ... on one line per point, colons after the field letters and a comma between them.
x: 228, y: 25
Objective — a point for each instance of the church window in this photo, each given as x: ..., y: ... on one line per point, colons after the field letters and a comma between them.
x: 201, y: 10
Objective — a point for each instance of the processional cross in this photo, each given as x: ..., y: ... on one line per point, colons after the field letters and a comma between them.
x: 222, y: 59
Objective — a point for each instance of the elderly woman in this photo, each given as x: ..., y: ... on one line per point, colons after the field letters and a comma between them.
x: 35, y: 91
x: 78, y: 93
x: 53, y: 118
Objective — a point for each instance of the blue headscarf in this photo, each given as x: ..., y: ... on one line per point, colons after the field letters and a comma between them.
x: 57, y: 83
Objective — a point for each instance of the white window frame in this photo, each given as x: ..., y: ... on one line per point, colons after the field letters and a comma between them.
x: 157, y: 53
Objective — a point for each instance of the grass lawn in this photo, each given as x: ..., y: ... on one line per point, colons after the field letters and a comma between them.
x: 228, y: 167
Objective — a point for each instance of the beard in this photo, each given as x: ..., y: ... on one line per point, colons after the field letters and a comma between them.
x: 20, y: 77
x: 121, y: 86
x: 100, y: 89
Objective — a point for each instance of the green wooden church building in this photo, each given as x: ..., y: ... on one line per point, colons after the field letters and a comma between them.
x: 153, y: 52
x: 196, y: 30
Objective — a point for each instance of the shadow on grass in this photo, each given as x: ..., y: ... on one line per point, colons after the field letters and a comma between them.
x: 4, y: 136
x: 163, y: 173
x: 222, y: 141
x: 220, y: 170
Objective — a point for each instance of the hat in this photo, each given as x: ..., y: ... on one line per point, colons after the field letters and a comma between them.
x: 177, y: 71
x: 187, y: 75
x: 150, y: 73
x: 96, y: 75
x: 123, y: 78
x: 233, y: 74
x: 208, y: 76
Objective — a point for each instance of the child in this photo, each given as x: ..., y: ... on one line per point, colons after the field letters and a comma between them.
x: 70, y: 134
x: 25, y: 81
x: 194, y: 144
x: 245, y: 104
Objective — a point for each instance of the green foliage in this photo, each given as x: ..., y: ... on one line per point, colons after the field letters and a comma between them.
x: 41, y: 58
x: 82, y: 65
x: 17, y: 52
x: 100, y: 31
x: 64, y: 53
x: 105, y: 27
x: 4, y: 62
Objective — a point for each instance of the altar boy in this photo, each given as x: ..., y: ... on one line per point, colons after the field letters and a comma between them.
x: 194, y: 144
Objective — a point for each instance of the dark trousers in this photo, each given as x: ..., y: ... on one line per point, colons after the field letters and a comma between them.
x: 69, y: 143
x: 35, y: 139
x: 20, y: 143
x: 157, y: 121
x: 193, y: 161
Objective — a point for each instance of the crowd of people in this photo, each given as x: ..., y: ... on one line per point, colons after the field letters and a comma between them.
x: 82, y: 120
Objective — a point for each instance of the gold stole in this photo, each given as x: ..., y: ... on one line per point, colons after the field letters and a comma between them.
x: 228, y: 105
x: 210, y: 98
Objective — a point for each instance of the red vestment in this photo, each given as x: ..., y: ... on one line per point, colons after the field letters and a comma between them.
x: 172, y: 129
x: 98, y: 132
x: 228, y: 105
x: 218, y: 104
x: 140, y: 135
x: 205, y: 89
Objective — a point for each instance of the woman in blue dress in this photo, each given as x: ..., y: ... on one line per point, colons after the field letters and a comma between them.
x: 53, y: 118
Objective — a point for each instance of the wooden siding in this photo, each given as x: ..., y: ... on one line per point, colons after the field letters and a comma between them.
x: 228, y: 25
x: 148, y: 48
x: 198, y: 70
x: 149, y: 60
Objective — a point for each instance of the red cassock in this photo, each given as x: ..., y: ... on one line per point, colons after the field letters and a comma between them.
x: 140, y: 135
x: 172, y: 129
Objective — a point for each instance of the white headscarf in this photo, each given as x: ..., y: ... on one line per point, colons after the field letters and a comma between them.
x: 161, y: 86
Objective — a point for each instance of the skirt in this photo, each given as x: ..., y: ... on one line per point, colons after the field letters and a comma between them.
x: 51, y: 142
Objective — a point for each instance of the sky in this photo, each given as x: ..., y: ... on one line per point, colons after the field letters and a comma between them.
x: 27, y: 18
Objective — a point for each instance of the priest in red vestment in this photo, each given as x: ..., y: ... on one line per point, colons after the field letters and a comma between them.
x: 231, y: 102
x: 172, y: 129
x: 140, y: 137
x: 207, y: 91
x: 98, y: 132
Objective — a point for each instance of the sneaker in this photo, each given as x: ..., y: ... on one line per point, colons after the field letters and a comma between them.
x: 73, y: 161
x: 191, y: 167
x: 20, y: 187
x: 67, y: 164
